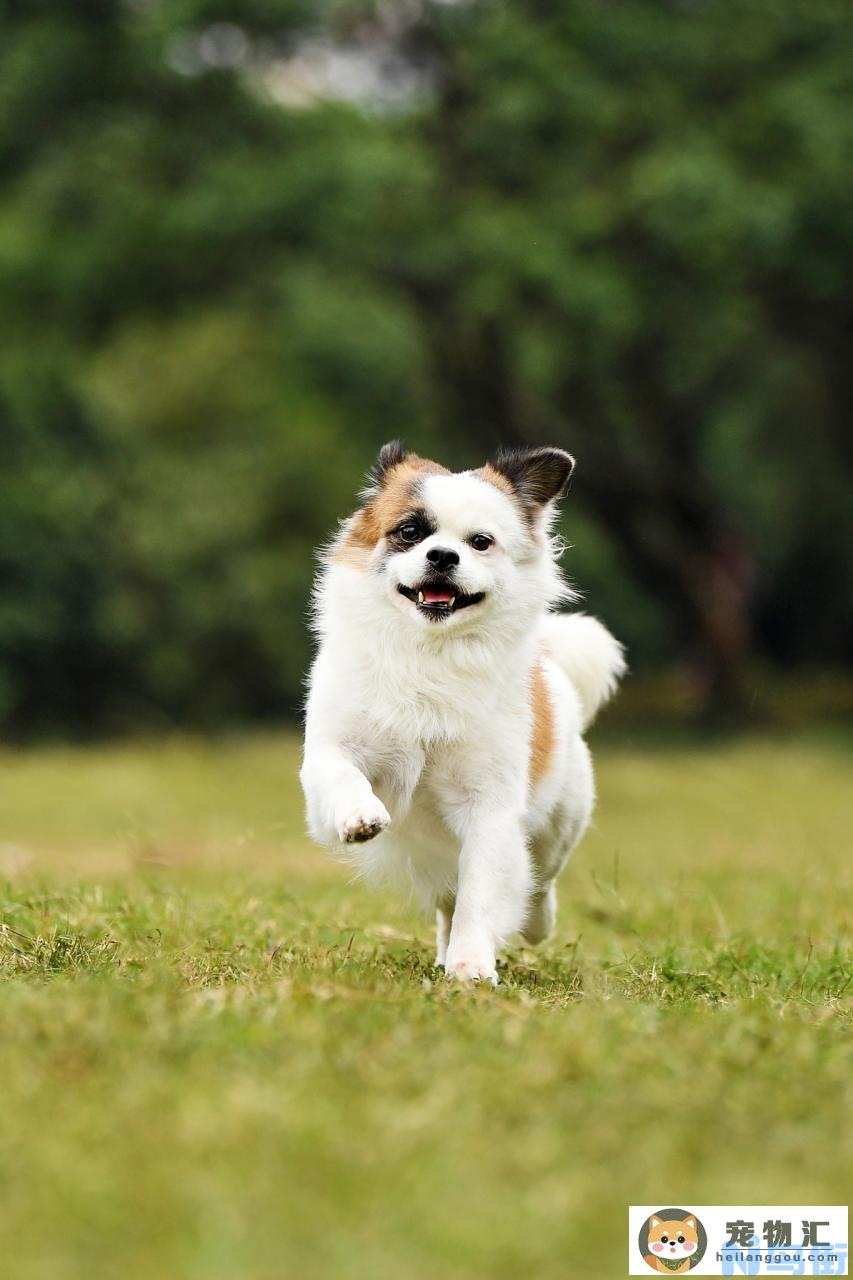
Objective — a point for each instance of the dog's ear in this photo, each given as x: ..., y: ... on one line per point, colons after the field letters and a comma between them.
x: 538, y: 476
x: 654, y: 1222
x: 689, y: 1222
x: 390, y: 455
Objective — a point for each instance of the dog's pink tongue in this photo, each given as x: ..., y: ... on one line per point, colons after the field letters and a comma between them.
x: 436, y: 597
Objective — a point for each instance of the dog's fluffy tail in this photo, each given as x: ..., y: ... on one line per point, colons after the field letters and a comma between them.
x: 589, y: 655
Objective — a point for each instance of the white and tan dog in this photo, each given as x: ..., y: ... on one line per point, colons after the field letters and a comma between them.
x: 447, y: 702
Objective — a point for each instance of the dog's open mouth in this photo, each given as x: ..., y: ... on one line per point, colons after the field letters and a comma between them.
x: 438, y: 598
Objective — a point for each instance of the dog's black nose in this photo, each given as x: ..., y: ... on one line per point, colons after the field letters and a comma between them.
x: 442, y: 557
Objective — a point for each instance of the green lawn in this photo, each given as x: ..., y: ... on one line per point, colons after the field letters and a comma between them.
x: 219, y: 1058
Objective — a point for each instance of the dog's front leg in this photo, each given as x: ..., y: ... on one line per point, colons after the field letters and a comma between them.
x: 340, y: 801
x: 494, y: 885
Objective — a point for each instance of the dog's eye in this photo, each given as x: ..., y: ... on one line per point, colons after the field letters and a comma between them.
x: 409, y: 532
x: 481, y: 541
x: 664, y: 1239
x: 681, y: 1239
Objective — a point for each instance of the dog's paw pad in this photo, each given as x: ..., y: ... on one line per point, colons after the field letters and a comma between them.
x: 363, y: 824
x: 357, y: 834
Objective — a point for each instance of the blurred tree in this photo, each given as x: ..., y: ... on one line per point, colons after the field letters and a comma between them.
x: 634, y: 244
x: 176, y: 368
x: 623, y: 227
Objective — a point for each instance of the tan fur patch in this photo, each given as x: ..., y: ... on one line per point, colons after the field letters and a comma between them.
x: 544, y: 736
x: 497, y: 478
x: 384, y: 510
x: 492, y: 476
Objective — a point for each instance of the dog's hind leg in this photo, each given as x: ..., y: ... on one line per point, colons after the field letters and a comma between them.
x: 443, y: 921
x: 541, y: 914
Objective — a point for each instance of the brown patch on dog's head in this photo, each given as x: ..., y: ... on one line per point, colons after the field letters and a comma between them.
x: 533, y: 477
x: 497, y: 478
x: 392, y: 492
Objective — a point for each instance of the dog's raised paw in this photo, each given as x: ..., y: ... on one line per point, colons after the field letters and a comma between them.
x: 363, y: 823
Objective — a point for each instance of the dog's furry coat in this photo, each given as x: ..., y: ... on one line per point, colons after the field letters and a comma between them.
x: 447, y: 701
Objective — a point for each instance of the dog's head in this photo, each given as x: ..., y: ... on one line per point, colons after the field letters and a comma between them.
x: 456, y: 551
x: 673, y: 1241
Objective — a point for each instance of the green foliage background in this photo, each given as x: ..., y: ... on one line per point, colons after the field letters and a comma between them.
x: 623, y: 227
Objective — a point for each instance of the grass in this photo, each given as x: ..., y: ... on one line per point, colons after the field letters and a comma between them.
x: 219, y: 1058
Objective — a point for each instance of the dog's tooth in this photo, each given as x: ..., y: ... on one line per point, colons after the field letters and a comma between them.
x: 451, y: 602
x: 420, y: 597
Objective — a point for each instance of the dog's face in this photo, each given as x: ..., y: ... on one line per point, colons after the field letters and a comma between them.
x: 451, y: 551
x: 673, y: 1241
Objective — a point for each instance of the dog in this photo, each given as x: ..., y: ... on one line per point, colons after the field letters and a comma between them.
x: 447, y: 701
x: 673, y: 1244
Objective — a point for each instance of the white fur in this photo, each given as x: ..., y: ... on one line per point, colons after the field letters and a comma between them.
x: 418, y: 733
x: 590, y: 656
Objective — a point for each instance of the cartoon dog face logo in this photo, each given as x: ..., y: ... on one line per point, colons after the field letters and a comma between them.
x: 673, y: 1244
